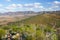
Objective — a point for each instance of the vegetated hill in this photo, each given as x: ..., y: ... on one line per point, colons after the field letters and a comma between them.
x: 15, y: 16
x: 35, y: 31
x: 46, y: 18
x: 51, y: 19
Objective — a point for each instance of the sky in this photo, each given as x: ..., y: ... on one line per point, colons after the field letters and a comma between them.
x: 29, y: 5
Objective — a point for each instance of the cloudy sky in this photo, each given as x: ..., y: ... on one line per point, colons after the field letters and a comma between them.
x: 29, y: 5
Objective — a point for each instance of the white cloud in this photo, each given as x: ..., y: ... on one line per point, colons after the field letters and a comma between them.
x: 3, y: 10
x: 50, y: 9
x: 27, y: 5
x: 29, y: 9
x: 1, y: 5
x: 19, y: 5
x: 56, y: 2
x: 34, y: 5
x: 12, y: 6
x: 8, y: 0
x: 54, y: 5
x: 37, y: 3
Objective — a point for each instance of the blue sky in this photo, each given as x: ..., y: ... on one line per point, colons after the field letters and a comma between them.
x: 29, y: 5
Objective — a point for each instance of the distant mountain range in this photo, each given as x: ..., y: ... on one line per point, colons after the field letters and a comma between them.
x: 27, y: 12
x: 18, y: 13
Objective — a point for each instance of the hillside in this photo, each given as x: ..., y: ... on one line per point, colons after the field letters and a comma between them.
x: 15, y: 16
x: 45, y: 19
x: 28, y: 17
x: 36, y: 27
x: 42, y: 19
